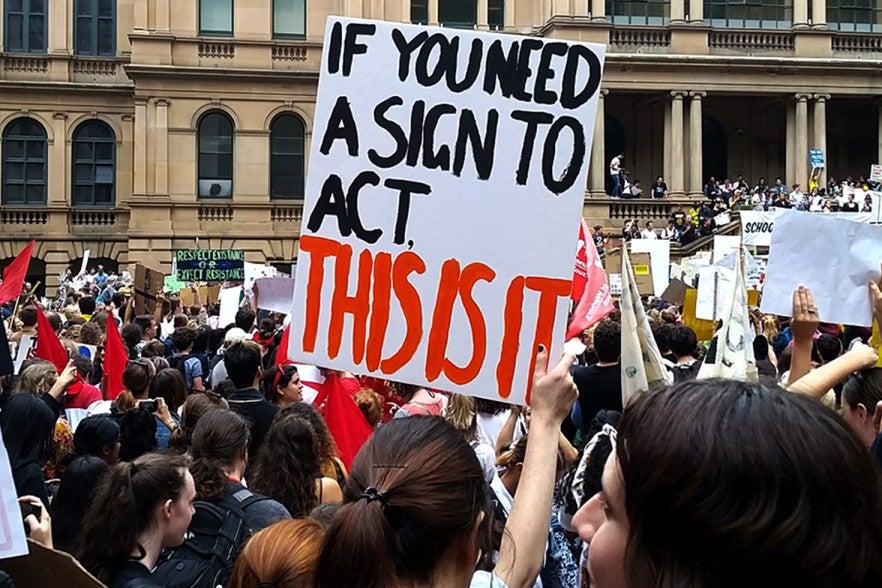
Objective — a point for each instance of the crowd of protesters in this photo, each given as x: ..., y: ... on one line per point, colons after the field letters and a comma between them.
x: 705, y: 483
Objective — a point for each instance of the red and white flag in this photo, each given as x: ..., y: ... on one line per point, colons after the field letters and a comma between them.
x: 590, y: 288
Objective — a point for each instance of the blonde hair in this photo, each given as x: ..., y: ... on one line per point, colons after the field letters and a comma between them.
x: 461, y: 414
x: 284, y: 555
x: 38, y: 377
x: 770, y: 328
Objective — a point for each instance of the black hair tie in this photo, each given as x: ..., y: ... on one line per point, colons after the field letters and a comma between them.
x: 373, y: 494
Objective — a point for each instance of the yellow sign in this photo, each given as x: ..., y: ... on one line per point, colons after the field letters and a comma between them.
x: 704, y: 330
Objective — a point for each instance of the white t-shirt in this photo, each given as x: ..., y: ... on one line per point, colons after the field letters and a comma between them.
x: 486, y: 580
x: 489, y: 426
x: 648, y: 234
x: 614, y: 166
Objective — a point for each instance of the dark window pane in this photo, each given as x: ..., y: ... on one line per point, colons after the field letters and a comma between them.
x: 14, y: 5
x: 36, y: 150
x: 14, y: 36
x: 82, y: 194
x: 34, y: 172
x: 36, y: 194
x: 103, y: 194
x: 458, y: 13
x: 36, y: 37
x: 104, y: 151
x: 83, y: 173
x: 106, y: 33
x: 85, y: 38
x: 15, y: 172
x: 419, y: 12
x: 13, y: 194
x: 105, y: 8
x: 37, y: 7
x: 13, y: 149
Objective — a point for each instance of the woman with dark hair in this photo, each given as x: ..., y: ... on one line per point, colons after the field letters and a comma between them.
x: 281, y: 385
x: 169, y: 385
x: 860, y: 396
x: 219, y: 450
x: 138, y: 425
x: 191, y: 412
x: 416, y: 509
x: 28, y: 424
x: 131, y: 335
x: 140, y: 508
x: 287, y: 467
x: 751, y: 486
x: 330, y: 464
x: 73, y: 498
x: 98, y: 436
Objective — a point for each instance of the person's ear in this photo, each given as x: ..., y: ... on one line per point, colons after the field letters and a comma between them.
x: 167, y: 509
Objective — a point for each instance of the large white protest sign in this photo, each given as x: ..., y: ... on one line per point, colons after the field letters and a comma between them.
x: 757, y: 226
x: 12, y: 534
x: 659, y: 251
x: 833, y: 257
x: 275, y: 293
x: 724, y: 245
x: 229, y: 305
x: 444, y: 195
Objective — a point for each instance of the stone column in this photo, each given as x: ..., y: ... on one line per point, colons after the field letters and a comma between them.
x: 508, y: 10
x: 800, y: 141
x: 598, y: 10
x: 790, y: 161
x: 819, y: 14
x: 139, y: 169
x: 161, y: 166
x: 57, y: 21
x: 163, y: 15
x: 678, y: 11
x: 696, y: 146
x: 57, y: 171
x: 800, y: 14
x: 819, y: 130
x: 582, y: 8
x: 597, y: 172
x: 676, y: 185
x: 433, y: 13
x: 482, y: 15
x: 696, y: 11
x: 405, y: 11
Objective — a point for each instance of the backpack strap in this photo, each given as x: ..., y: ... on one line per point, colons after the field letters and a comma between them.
x: 238, y: 498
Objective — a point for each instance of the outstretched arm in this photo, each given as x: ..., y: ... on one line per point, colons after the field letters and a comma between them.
x: 804, y: 323
x: 819, y: 381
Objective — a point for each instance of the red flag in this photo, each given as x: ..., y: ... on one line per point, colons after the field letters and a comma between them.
x: 282, y: 351
x: 14, y: 275
x: 590, y: 287
x: 115, y: 360
x: 48, y: 345
x: 345, y: 420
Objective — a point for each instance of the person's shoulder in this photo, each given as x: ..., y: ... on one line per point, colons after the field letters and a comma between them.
x: 133, y: 575
x: 483, y: 579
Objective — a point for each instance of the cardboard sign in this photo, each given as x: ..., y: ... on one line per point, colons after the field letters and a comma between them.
x: 876, y: 173
x: 47, y: 567
x: 816, y: 158
x: 206, y: 294
x: 675, y: 293
x: 643, y: 272
x: 659, y: 251
x: 436, y: 153
x: 146, y: 284
x: 210, y: 265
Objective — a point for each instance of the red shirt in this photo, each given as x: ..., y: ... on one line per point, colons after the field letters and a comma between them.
x: 81, y: 395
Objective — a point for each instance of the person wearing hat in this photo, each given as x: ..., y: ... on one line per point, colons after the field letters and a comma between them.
x: 219, y: 370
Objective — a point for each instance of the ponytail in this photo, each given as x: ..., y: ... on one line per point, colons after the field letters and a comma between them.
x: 361, y: 536
x: 123, y: 508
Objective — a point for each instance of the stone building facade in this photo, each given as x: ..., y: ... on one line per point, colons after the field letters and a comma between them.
x: 132, y: 128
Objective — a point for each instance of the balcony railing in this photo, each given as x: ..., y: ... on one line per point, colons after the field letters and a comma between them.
x: 24, y: 217
x: 217, y: 49
x: 287, y: 214
x: 640, y: 37
x: 751, y: 40
x: 857, y: 43
x: 92, y: 217
x: 289, y: 53
x: 218, y: 213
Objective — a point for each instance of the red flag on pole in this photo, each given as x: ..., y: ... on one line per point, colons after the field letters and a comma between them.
x: 282, y: 350
x: 115, y: 360
x: 345, y: 420
x: 590, y: 287
x: 14, y: 275
x: 48, y: 345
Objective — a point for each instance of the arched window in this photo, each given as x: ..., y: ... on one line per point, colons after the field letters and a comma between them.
x: 94, y: 164
x: 24, y: 163
x: 286, y: 157
x: 26, y: 26
x: 95, y: 27
x: 215, y: 138
x: 854, y: 15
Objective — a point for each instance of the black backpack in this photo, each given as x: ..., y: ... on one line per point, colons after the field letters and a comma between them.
x: 217, y: 533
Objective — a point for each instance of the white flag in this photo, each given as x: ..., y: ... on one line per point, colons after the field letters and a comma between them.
x: 642, y: 365
x: 734, y: 357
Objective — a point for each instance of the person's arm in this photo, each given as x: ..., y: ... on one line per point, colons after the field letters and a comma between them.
x: 65, y: 379
x: 819, y: 381
x: 506, y: 433
x: 331, y: 493
x: 526, y: 531
x: 803, y: 326
x: 197, y: 296
x: 570, y: 454
x: 164, y: 415
x: 130, y: 310
x: 157, y: 310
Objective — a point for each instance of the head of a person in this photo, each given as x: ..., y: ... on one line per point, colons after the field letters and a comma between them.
x: 860, y: 394
x: 153, y: 494
x: 242, y: 360
x: 747, y: 504
x: 86, y: 305
x: 415, y: 503
x: 37, y: 377
x: 91, y: 334
x: 154, y: 348
x: 659, y: 180
x: 169, y: 385
x: 147, y: 324
x: 682, y: 341
x: 196, y: 406
x: 98, y: 436
x: 283, y: 554
x: 287, y: 466
x: 28, y: 316
x: 218, y: 447
x: 79, y: 483
x: 370, y: 404
x: 662, y: 336
x: 183, y: 338
x: 281, y: 385
x: 131, y: 334
x: 649, y: 225
x: 54, y: 320
x: 245, y: 319
x: 137, y: 377
x: 827, y: 348
x: 608, y: 341
x: 200, y: 343
x: 83, y: 365
x: 760, y: 347
x: 325, y: 445
x: 27, y: 424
